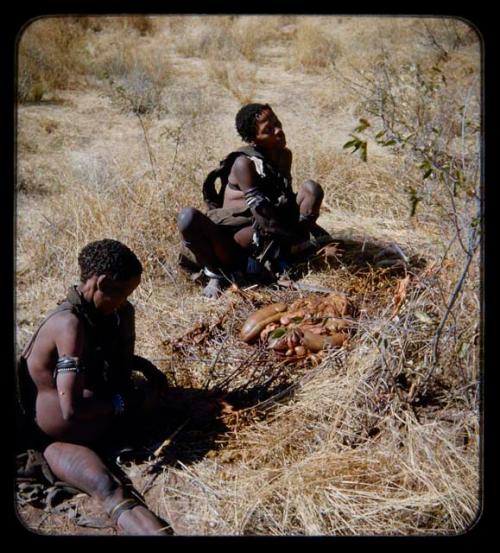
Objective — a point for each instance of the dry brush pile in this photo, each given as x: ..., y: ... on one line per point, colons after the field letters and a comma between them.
x: 380, y: 436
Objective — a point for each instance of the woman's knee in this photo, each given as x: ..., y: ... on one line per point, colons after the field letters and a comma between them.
x: 244, y: 237
x: 52, y: 453
x: 197, y: 229
x: 313, y: 189
x: 193, y: 224
x: 188, y: 218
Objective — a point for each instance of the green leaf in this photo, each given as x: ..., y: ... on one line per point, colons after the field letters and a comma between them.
x: 390, y: 142
x: 364, y: 124
x: 278, y: 333
x: 349, y: 144
x: 379, y: 134
x: 427, y: 174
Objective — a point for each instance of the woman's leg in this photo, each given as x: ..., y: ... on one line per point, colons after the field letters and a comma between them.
x: 81, y: 467
x: 244, y: 237
x: 309, y: 197
x: 214, y: 249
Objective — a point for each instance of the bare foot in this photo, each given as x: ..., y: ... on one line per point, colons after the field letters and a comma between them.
x: 213, y: 289
x: 140, y: 521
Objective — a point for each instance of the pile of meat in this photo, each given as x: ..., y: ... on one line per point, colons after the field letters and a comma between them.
x: 307, y: 326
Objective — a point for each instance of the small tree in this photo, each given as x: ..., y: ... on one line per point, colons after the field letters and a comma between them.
x: 423, y: 111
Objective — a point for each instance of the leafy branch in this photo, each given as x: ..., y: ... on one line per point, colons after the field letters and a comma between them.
x: 415, y: 112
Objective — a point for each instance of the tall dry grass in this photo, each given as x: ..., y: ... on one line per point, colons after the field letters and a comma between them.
x: 313, y: 468
x: 58, y: 53
x: 224, y: 37
x: 376, y: 440
x: 48, y: 57
x: 313, y: 49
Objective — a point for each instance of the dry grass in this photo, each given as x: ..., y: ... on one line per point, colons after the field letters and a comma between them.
x: 313, y: 49
x: 224, y: 37
x: 373, y: 441
x: 48, y: 57
x: 298, y: 474
x: 239, y: 80
x: 57, y: 53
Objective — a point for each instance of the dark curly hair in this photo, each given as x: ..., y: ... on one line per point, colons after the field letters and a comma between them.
x: 108, y: 257
x: 246, y: 120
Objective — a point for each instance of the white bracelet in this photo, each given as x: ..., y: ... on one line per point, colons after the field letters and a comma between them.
x: 211, y: 274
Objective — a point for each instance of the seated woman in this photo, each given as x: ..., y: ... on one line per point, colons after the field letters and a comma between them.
x: 255, y: 218
x: 74, y: 380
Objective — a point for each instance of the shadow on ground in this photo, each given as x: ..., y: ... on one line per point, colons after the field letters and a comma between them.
x: 189, y: 424
x: 357, y: 255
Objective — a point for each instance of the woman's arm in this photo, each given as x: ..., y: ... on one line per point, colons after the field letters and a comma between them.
x: 70, y: 376
x: 265, y: 215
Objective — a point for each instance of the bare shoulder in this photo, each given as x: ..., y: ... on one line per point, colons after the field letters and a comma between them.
x: 62, y: 334
x: 64, y: 326
x: 243, y: 172
x: 66, y: 321
x: 242, y: 164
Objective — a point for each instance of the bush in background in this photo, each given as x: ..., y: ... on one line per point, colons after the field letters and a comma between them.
x: 49, y: 57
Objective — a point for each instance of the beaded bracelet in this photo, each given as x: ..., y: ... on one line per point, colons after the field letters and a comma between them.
x: 118, y: 404
x: 68, y: 364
